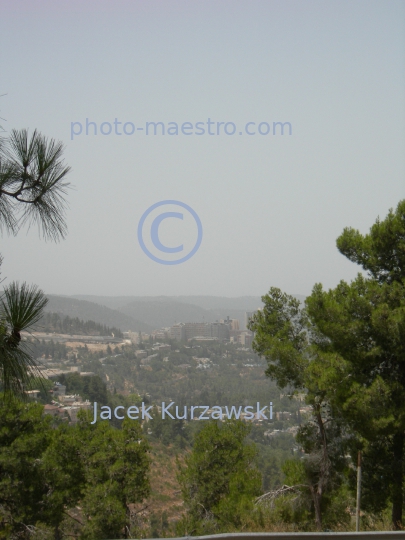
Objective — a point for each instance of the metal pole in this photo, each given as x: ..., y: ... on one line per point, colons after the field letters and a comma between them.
x: 358, y: 491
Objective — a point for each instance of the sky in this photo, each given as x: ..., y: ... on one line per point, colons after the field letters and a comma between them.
x: 256, y: 209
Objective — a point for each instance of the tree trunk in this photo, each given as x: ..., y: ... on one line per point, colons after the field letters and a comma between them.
x: 316, y: 497
x: 324, y: 470
x: 397, y: 480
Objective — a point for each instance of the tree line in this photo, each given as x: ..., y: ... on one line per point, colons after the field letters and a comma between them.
x: 63, y: 324
x: 47, y: 470
x: 346, y: 349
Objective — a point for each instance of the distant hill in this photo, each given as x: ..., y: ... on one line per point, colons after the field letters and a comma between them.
x: 166, y: 313
x: 162, y: 311
x: 91, y: 311
x: 244, y: 303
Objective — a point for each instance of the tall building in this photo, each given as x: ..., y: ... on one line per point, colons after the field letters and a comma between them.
x: 220, y: 330
x: 186, y: 331
x: 232, y: 324
x: 178, y: 332
x: 197, y: 329
x: 246, y: 339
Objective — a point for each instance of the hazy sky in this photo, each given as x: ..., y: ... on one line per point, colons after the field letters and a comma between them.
x: 271, y: 206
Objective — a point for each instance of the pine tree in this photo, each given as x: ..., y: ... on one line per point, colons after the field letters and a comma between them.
x: 219, y: 478
x: 32, y: 190
x: 364, y: 322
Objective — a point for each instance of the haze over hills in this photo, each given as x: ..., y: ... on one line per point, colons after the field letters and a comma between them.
x: 147, y: 313
x: 166, y: 313
x: 163, y: 311
x: 90, y: 311
x: 247, y: 303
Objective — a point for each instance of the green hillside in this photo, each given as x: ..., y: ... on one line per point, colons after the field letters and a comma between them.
x: 90, y: 311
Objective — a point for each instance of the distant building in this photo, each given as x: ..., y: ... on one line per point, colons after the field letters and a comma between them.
x: 50, y: 373
x: 246, y: 339
x: 218, y: 330
x: 232, y: 324
x: 178, y: 332
x: 160, y: 334
x: 54, y: 410
x: 33, y: 394
x: 202, y: 338
x: 136, y: 337
x: 58, y: 390
x: 161, y: 347
x: 197, y: 329
x: 132, y: 336
x: 75, y: 407
x: 69, y: 399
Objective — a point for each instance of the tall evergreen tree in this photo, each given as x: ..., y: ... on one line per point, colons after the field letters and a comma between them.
x: 347, y: 349
x: 285, y: 337
x: 364, y: 322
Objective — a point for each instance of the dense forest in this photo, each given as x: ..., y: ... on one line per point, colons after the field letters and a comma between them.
x: 63, y: 324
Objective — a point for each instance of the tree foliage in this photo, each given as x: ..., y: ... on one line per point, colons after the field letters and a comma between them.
x: 364, y: 322
x: 63, y: 324
x: 346, y: 348
x: 32, y: 183
x: 291, y: 344
x: 48, y: 470
x: 219, y: 480
x: 32, y: 191
x: 20, y: 308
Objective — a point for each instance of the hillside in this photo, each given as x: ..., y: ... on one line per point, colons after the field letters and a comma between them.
x: 163, y: 311
x: 90, y: 311
x: 166, y: 313
x: 147, y: 313
x: 245, y: 303
x: 165, y: 494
